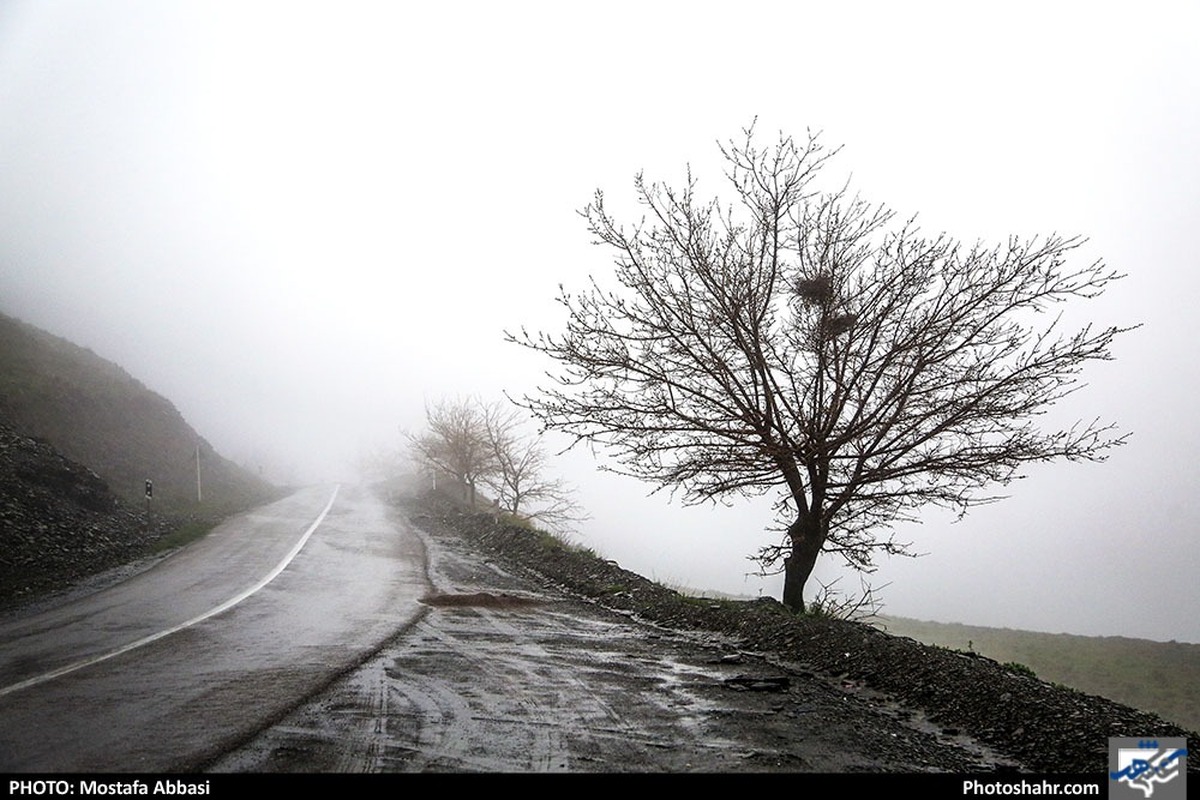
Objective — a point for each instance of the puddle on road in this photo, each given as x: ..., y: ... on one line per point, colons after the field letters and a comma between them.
x: 479, y: 600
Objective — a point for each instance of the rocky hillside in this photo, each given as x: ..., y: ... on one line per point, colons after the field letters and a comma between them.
x: 59, y: 522
x: 95, y: 413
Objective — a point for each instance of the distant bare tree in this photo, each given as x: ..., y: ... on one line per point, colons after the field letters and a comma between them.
x: 802, y: 343
x: 485, y: 444
x: 520, y: 479
x: 456, y: 444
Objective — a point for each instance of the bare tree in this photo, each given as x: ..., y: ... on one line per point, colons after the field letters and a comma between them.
x: 807, y: 344
x: 456, y: 444
x: 521, y: 480
x: 484, y: 444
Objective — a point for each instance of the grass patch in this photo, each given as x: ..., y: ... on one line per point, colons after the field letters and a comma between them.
x: 186, y: 533
x: 554, y: 541
x: 1019, y: 668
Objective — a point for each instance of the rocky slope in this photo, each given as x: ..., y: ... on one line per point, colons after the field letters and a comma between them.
x: 59, y: 522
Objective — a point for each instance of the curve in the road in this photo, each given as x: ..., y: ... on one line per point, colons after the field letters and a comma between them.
x: 154, y: 637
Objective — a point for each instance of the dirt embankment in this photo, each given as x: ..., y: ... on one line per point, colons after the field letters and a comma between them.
x: 1047, y: 727
x: 59, y: 523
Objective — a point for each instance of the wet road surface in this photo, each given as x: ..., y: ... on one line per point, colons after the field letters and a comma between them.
x: 507, y: 674
x: 169, y: 669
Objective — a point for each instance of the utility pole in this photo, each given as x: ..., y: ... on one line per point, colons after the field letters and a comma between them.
x: 199, y: 493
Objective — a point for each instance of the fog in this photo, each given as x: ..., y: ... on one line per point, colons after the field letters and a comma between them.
x: 300, y: 222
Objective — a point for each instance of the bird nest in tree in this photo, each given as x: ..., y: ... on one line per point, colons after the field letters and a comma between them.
x: 839, y: 324
x: 815, y: 290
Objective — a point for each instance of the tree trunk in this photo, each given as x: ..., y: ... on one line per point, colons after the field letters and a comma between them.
x: 807, y: 535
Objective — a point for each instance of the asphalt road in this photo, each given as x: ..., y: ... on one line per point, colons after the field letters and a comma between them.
x: 175, y: 666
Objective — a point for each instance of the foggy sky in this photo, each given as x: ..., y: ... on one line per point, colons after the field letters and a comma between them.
x: 301, y: 221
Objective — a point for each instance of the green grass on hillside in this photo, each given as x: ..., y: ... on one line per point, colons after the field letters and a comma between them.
x: 1161, y: 677
x: 186, y: 533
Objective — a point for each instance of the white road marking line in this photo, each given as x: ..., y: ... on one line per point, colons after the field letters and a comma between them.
x: 228, y: 604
